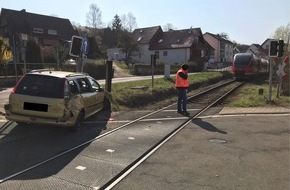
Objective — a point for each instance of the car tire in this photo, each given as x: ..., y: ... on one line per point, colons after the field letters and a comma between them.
x: 79, y: 122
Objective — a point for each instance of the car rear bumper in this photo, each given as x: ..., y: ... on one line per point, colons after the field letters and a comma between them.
x: 62, y: 122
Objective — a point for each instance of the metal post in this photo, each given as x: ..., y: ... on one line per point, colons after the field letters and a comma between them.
x: 109, y: 73
x: 152, y: 69
x: 270, y: 80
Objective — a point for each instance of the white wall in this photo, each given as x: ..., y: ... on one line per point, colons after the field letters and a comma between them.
x: 143, y: 56
x: 229, y: 52
x: 175, y: 56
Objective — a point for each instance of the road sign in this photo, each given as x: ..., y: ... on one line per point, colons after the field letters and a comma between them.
x: 76, y: 46
x: 85, y: 46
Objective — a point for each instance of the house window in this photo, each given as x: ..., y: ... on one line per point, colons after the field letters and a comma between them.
x: 161, y: 40
x: 196, y: 40
x: 157, y: 54
x: 38, y: 30
x: 139, y: 39
x: 202, y: 53
x: 164, y: 53
x: 5, y: 30
x: 52, y: 32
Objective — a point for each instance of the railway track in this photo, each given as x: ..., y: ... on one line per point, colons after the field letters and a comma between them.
x: 148, y: 129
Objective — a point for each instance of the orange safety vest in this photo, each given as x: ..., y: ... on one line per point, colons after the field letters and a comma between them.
x: 180, y: 82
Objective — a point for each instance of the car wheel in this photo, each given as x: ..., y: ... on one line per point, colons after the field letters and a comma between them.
x: 79, y: 122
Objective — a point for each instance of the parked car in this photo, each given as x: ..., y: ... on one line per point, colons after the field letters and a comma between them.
x: 55, y: 98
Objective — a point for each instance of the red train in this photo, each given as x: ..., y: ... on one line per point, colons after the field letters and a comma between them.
x: 247, y: 65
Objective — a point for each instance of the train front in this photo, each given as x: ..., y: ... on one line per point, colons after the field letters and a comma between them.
x: 243, y: 65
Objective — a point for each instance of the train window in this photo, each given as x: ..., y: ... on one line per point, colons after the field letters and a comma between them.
x: 242, y: 61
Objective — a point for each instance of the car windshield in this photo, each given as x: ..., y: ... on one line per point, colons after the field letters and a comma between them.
x: 41, y: 86
x: 242, y: 60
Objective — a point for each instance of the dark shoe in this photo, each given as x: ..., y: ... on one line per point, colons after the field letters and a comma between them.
x: 186, y: 113
x: 181, y: 112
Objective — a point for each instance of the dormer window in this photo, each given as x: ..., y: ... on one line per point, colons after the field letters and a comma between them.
x: 38, y: 30
x: 52, y: 32
x: 139, y: 39
x: 161, y: 40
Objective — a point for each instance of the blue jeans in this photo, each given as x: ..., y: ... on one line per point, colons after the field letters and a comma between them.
x: 182, y: 99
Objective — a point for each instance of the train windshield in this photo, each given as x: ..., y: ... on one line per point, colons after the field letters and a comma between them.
x: 242, y: 60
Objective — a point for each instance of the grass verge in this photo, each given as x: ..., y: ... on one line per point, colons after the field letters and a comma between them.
x: 249, y: 96
x: 146, y: 94
x: 149, y: 96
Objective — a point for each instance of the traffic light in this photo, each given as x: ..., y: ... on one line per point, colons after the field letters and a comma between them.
x: 76, y: 46
x: 273, y: 51
x: 281, y: 48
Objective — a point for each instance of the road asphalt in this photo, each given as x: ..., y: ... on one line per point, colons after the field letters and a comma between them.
x: 219, y: 152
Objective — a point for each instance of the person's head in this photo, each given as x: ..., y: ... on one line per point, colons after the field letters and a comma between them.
x: 184, y: 66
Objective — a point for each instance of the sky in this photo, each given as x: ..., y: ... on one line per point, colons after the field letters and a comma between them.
x: 244, y: 21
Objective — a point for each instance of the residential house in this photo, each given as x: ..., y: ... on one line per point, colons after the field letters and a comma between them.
x: 144, y: 37
x: 259, y: 51
x: 266, y: 44
x: 47, y: 31
x: 172, y: 47
x: 236, y: 50
x: 181, y: 46
x: 223, y: 47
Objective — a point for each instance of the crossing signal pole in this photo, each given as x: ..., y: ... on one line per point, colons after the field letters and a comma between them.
x: 79, y: 48
x: 276, y: 50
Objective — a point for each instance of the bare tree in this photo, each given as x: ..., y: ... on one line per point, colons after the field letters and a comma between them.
x: 283, y: 33
x: 94, y: 16
x: 224, y: 35
x: 132, y: 24
x: 129, y: 22
x: 168, y: 27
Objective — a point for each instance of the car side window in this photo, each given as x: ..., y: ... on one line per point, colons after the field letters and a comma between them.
x: 95, y: 85
x: 73, y: 87
x: 84, y: 85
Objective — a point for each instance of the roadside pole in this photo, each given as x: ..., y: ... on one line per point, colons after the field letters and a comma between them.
x: 109, y: 75
x: 270, y: 80
x: 153, y: 63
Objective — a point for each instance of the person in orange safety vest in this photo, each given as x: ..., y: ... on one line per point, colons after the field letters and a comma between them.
x: 181, y: 85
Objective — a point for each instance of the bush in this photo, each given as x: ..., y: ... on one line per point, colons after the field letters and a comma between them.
x: 95, y: 68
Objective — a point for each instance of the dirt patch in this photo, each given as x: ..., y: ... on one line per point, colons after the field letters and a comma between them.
x: 119, y: 73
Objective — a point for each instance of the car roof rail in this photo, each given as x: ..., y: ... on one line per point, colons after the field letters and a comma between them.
x: 39, y: 70
x: 76, y: 74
